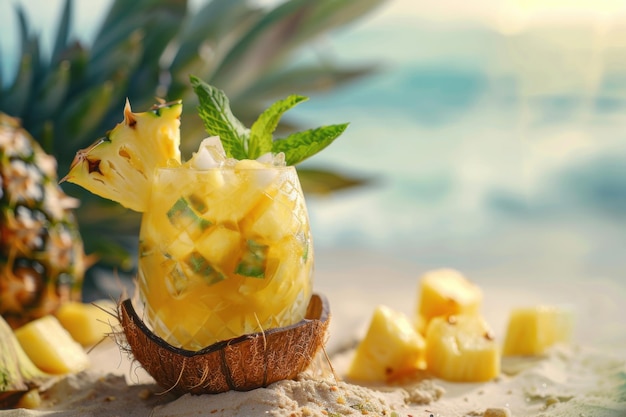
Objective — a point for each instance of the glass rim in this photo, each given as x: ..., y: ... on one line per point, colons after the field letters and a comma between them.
x: 228, y: 168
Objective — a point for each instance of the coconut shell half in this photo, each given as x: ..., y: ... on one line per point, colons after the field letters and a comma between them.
x: 242, y: 364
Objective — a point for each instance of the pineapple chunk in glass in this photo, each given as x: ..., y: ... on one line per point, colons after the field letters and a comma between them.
x: 225, y: 251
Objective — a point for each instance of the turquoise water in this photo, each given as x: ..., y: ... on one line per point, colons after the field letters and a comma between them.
x: 482, y: 158
x: 487, y: 151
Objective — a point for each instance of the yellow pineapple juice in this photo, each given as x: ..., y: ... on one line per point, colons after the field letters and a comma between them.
x: 224, y: 252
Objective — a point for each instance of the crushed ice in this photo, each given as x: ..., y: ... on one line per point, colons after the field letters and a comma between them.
x: 211, y: 154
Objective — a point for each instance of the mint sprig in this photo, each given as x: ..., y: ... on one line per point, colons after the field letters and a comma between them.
x: 261, y: 139
x: 239, y: 142
x: 214, y: 110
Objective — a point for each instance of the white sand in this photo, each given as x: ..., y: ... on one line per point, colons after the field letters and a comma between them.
x: 585, y: 379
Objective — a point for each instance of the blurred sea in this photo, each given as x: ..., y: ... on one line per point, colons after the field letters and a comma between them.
x: 491, y: 148
x: 499, y: 153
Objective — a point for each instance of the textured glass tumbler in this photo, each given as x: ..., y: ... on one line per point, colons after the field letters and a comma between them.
x: 224, y: 252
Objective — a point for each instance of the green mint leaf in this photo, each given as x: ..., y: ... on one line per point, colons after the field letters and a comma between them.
x: 302, y: 145
x: 263, y: 128
x: 214, y: 110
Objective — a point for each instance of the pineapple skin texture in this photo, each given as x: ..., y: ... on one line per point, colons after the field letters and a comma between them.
x: 462, y: 349
x: 51, y: 347
x: 390, y: 350
x: 120, y: 166
x: 42, y: 260
x: 532, y: 330
x: 444, y: 292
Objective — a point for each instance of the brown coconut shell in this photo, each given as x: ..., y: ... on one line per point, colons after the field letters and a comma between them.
x: 242, y: 364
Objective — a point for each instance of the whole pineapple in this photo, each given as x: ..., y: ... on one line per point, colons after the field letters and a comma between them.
x: 41, y: 253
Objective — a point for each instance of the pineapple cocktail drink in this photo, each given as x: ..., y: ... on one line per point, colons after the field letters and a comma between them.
x: 225, y: 250
x: 225, y: 246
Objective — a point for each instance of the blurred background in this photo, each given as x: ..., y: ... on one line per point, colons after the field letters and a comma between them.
x: 489, y: 136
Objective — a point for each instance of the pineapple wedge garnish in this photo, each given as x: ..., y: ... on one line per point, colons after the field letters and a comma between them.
x: 532, y: 330
x: 445, y: 292
x: 391, y: 348
x: 87, y: 323
x: 120, y: 166
x: 461, y: 348
x: 51, y: 347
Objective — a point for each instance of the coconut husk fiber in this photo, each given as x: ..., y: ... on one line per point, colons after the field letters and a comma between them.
x: 242, y: 364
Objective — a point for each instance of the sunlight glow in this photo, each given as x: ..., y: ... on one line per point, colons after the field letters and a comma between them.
x: 506, y: 16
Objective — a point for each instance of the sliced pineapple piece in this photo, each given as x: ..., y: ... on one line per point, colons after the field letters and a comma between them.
x: 391, y: 348
x: 88, y: 324
x: 445, y: 292
x: 30, y: 401
x: 461, y: 348
x: 121, y: 165
x: 18, y: 373
x: 532, y: 330
x: 220, y: 247
x: 248, y: 183
x: 51, y: 347
x: 273, y: 218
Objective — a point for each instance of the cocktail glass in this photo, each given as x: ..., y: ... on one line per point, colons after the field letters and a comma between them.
x: 224, y: 252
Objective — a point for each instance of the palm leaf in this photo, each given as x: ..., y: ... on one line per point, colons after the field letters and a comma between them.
x: 261, y: 131
x: 208, y: 38
x: 325, y: 182
x: 63, y: 32
x: 327, y: 15
x: 51, y: 93
x: 17, y: 96
x: 85, y: 113
x: 148, y: 48
x: 262, y: 47
x: 305, y: 79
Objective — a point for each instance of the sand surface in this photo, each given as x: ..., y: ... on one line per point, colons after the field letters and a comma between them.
x: 586, y: 378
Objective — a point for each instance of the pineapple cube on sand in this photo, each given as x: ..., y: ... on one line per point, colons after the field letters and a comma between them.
x: 444, y: 292
x: 87, y: 323
x: 462, y: 348
x: 51, y: 348
x: 532, y: 330
x: 450, y: 339
x: 391, y: 349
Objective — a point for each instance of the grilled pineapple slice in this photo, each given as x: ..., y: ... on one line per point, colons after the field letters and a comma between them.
x: 51, y: 347
x: 532, y: 330
x: 461, y: 348
x: 444, y: 292
x: 391, y: 348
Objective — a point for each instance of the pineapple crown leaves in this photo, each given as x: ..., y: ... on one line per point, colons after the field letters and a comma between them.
x: 241, y: 142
